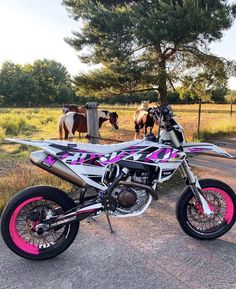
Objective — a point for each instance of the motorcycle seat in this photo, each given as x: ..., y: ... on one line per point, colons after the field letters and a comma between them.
x: 97, y: 148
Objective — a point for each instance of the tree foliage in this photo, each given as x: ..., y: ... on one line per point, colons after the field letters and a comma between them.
x: 147, y: 44
x: 43, y: 82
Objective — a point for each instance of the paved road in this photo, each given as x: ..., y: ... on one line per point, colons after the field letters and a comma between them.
x: 148, y: 252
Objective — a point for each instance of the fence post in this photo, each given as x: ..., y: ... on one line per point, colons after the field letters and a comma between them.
x: 231, y: 106
x: 92, y: 122
x: 199, y: 117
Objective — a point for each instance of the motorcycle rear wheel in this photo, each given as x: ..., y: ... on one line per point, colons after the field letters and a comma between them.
x: 221, y: 199
x: 22, y: 214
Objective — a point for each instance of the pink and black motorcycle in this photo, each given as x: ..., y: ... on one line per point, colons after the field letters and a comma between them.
x: 41, y: 222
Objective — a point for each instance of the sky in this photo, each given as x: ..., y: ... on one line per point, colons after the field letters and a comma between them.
x: 35, y: 29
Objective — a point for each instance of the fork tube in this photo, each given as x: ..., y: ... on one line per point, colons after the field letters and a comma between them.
x: 175, y: 140
x: 195, y: 187
x: 184, y: 167
x: 187, y: 173
x: 182, y: 172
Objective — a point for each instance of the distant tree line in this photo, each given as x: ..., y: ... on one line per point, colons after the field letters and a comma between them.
x: 221, y: 95
x: 47, y: 83
x: 43, y: 82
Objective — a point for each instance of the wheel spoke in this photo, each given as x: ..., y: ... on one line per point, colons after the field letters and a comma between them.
x: 25, y: 226
x: 207, y: 223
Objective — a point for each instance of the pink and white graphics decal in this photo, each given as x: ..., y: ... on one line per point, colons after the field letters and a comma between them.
x: 204, y: 148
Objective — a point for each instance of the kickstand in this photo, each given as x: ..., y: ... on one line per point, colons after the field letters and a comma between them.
x: 109, y: 222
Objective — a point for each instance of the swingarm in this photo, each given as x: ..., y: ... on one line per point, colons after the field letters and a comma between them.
x: 78, y: 214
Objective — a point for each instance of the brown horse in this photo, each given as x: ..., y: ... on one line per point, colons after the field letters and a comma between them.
x: 143, y: 119
x: 73, y: 121
x: 73, y: 107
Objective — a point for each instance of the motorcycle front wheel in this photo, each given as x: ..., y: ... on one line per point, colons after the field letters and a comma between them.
x: 25, y: 210
x: 222, y: 201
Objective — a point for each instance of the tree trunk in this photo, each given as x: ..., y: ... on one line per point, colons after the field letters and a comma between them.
x: 162, y: 87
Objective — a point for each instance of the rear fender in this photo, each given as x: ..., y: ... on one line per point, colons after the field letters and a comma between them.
x: 39, y: 144
x: 197, y: 148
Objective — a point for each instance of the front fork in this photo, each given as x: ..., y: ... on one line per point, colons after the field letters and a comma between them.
x: 191, y: 179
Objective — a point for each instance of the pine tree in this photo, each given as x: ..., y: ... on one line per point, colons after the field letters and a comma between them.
x: 146, y: 45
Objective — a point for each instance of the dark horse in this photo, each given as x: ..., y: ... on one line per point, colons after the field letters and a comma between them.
x: 73, y: 121
x: 143, y: 119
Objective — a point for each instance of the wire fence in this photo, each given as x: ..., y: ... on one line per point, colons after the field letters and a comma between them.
x: 214, y: 118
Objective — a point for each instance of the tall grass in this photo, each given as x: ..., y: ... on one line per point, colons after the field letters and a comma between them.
x: 36, y: 123
x: 2, y: 133
x: 41, y: 123
x: 20, y: 175
x: 215, y: 127
x: 211, y: 124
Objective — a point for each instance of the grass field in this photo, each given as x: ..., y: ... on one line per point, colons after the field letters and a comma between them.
x: 17, y: 173
x: 41, y: 123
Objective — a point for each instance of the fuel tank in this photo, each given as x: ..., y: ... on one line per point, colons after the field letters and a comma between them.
x: 54, y: 166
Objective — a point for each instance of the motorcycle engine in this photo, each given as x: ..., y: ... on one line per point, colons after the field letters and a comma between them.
x: 141, y: 177
x: 127, y: 198
x: 130, y: 199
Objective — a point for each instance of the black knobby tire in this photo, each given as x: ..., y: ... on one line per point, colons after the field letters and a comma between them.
x: 192, y: 219
x: 11, y: 217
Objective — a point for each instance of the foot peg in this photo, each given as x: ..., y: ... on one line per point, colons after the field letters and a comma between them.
x: 92, y: 219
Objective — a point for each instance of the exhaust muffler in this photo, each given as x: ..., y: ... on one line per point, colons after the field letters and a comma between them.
x: 54, y: 166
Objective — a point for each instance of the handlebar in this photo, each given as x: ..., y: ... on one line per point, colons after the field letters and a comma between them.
x: 165, y: 111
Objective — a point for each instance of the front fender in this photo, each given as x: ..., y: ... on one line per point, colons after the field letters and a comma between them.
x: 194, y: 148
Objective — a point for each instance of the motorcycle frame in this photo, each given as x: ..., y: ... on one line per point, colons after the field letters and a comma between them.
x: 99, y: 204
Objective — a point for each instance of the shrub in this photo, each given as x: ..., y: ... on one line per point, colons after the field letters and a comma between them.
x: 25, y: 175
x: 2, y: 133
x: 16, y: 127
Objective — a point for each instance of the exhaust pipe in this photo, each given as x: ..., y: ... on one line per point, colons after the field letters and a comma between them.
x: 55, y: 167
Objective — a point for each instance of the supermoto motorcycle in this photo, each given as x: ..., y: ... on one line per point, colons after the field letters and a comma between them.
x: 41, y: 222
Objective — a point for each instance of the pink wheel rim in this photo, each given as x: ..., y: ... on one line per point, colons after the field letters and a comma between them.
x: 229, y: 212
x: 20, y: 242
